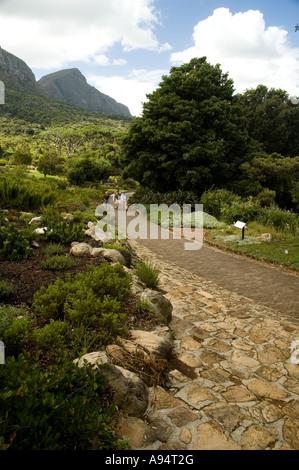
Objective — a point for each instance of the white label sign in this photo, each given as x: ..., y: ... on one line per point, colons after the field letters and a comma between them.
x: 239, y: 224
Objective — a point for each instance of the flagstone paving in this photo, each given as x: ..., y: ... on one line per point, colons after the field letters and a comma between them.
x: 234, y: 382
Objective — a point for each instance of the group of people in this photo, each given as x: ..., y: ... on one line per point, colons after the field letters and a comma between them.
x: 119, y: 199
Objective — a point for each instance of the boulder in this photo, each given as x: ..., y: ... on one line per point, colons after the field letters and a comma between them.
x: 41, y: 231
x: 154, y: 344
x: 80, y: 249
x: 137, y: 431
x: 138, y: 286
x: 127, y: 257
x: 97, y: 252
x: 160, y: 306
x: 68, y: 217
x: 265, y: 237
x: 93, y: 232
x: 35, y: 221
x: 95, y: 358
x: 114, y: 255
x: 129, y: 392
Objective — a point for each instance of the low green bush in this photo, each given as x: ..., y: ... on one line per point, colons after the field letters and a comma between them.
x: 24, y: 195
x: 13, y: 246
x: 147, y: 274
x: 58, y: 263
x: 281, y: 220
x: 15, y: 330
x: 65, y: 232
x: 147, y: 196
x: 50, y: 216
x: 61, y: 408
x: 54, y: 249
x: 6, y: 290
x: 246, y: 211
x: 214, y: 200
x: 54, y: 337
x: 90, y: 299
x: 85, y: 340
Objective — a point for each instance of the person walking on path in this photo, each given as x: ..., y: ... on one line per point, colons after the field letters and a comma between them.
x: 123, y: 201
x: 106, y: 199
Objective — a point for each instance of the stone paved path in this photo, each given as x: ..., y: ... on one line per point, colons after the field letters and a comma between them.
x: 234, y: 383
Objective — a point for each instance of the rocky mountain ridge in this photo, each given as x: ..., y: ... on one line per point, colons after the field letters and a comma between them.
x: 68, y: 86
x: 71, y: 87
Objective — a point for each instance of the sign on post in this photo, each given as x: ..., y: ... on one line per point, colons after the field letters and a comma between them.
x: 242, y: 226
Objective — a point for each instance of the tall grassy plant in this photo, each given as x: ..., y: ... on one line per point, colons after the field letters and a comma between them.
x: 148, y: 274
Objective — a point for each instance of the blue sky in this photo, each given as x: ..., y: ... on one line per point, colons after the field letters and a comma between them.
x: 123, y: 47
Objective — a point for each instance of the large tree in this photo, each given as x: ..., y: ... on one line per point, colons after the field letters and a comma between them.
x: 191, y: 134
x: 272, y: 120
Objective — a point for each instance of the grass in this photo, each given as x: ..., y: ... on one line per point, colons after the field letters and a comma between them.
x: 40, y: 176
x: 58, y: 263
x: 283, y: 250
x: 148, y: 274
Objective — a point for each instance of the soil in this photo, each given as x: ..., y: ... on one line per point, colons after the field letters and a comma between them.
x: 28, y: 277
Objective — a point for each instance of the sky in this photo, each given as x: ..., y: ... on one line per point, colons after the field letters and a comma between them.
x: 125, y: 47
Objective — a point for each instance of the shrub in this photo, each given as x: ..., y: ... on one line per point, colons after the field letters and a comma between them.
x: 61, y: 408
x: 6, y: 289
x: 13, y: 246
x: 90, y: 299
x: 58, y: 263
x: 148, y: 274
x: 281, y: 220
x: 54, y: 249
x: 214, y: 200
x: 147, y: 196
x: 266, y: 197
x: 85, y: 340
x: 15, y: 330
x: 211, y: 222
x: 54, y: 337
x: 65, y: 232
x: 50, y: 215
x: 24, y: 195
x: 245, y: 211
x: 78, y: 216
x: 144, y: 307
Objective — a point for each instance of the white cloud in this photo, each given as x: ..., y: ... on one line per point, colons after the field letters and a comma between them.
x: 102, y: 59
x: 249, y: 51
x: 131, y: 90
x: 49, y: 34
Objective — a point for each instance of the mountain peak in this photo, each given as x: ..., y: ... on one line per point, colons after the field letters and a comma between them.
x: 70, y: 86
x: 16, y: 74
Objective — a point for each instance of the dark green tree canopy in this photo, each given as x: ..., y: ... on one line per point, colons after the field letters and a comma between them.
x: 191, y: 134
x: 272, y: 120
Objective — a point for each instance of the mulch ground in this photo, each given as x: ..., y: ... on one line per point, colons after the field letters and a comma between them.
x: 28, y: 276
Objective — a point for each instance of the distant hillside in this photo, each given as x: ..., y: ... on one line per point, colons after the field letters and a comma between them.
x: 32, y: 108
x: 71, y: 87
x: 16, y: 74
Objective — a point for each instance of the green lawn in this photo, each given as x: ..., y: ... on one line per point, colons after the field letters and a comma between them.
x: 283, y: 250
